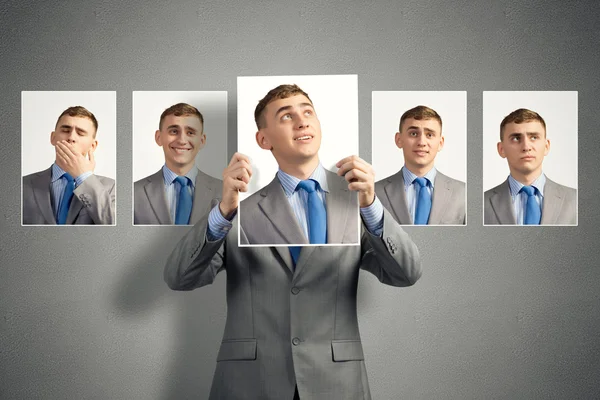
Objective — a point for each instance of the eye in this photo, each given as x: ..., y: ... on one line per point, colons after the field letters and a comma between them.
x: 308, y: 113
x: 286, y: 117
x: 173, y: 131
x: 514, y: 139
x: 191, y: 133
x: 413, y: 134
x: 534, y: 137
x: 430, y: 135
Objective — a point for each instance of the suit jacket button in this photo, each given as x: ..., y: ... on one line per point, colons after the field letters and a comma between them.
x: 295, y: 341
x: 295, y: 290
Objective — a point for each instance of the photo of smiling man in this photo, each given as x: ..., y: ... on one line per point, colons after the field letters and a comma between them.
x: 300, y: 146
x: 179, y: 193
x: 528, y: 196
x: 430, y: 138
x: 73, y: 190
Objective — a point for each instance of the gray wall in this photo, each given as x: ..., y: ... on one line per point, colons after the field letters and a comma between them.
x: 499, y: 313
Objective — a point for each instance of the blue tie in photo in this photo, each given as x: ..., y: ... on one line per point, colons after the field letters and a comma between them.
x: 63, y: 211
x: 423, y: 202
x: 317, y: 217
x: 533, y: 214
x: 184, y: 204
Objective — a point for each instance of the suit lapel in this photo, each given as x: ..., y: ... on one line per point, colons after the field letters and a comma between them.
x: 203, y: 194
x: 502, y: 205
x: 276, y: 208
x: 303, y: 258
x: 74, y: 209
x: 553, y: 200
x: 284, y: 253
x: 41, y: 192
x: 155, y: 191
x: 394, y: 189
x: 442, y: 193
x: 338, y: 206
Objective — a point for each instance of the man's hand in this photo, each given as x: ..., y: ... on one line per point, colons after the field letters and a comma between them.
x: 73, y: 162
x: 235, y: 179
x: 361, y: 178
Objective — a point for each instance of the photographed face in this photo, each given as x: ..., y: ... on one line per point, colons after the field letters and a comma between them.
x: 420, y: 141
x: 524, y: 146
x: 292, y: 130
x: 181, y: 138
x: 79, y: 131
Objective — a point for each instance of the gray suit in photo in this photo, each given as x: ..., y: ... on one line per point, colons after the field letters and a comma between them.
x: 291, y: 326
x: 93, y: 201
x: 150, y: 202
x: 266, y: 217
x: 447, y: 202
x: 558, y: 208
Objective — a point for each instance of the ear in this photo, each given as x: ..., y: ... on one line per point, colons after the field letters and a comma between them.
x: 441, y: 143
x: 53, y: 139
x: 547, y: 147
x: 501, y: 150
x: 202, y: 142
x: 157, y: 138
x: 94, y: 144
x: 398, y: 139
x: 263, y: 141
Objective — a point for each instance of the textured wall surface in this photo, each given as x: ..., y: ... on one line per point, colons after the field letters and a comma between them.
x: 503, y: 313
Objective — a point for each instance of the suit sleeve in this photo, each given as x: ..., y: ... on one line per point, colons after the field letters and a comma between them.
x: 393, y: 258
x: 195, y: 261
x: 98, y: 199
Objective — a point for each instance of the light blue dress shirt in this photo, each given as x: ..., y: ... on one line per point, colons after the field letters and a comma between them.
x: 412, y: 189
x: 58, y: 184
x: 172, y: 188
x: 519, y: 200
x: 372, y: 215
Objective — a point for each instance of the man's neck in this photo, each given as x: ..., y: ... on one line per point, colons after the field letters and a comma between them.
x: 526, y: 179
x: 418, y: 170
x: 180, y: 170
x: 300, y: 171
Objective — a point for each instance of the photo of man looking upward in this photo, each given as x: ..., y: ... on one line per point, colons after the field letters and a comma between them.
x: 68, y: 192
x: 179, y: 193
x: 419, y: 193
x: 527, y: 196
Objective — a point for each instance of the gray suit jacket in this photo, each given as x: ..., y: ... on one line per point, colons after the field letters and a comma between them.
x: 93, y: 201
x: 559, y: 206
x: 287, y: 326
x: 447, y: 203
x: 150, y: 203
x: 266, y: 217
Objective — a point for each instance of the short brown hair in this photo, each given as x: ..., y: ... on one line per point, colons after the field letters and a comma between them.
x: 420, y: 113
x: 79, y: 111
x: 518, y: 117
x: 280, y: 92
x: 180, y: 109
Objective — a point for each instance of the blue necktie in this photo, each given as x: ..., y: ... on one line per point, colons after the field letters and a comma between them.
x: 63, y: 211
x: 317, y: 217
x: 423, y: 202
x: 533, y: 214
x: 184, y: 204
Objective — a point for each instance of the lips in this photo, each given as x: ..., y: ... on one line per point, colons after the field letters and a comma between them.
x: 421, y: 153
x: 303, y: 138
x: 181, y: 150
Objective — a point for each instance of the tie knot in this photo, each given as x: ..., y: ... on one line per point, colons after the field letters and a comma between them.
x: 68, y: 177
x: 309, y: 185
x: 530, y: 190
x: 421, y: 181
x: 183, y: 180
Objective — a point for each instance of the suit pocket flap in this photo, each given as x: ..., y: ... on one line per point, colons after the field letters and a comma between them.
x: 347, y: 350
x: 237, y: 349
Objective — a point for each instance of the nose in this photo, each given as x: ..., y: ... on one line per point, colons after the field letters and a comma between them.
x: 72, y: 136
x: 421, y: 139
x: 526, y: 144
x: 302, y: 122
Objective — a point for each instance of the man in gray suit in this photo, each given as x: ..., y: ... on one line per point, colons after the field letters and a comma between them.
x: 527, y: 196
x: 179, y: 193
x: 441, y: 199
x: 69, y: 192
x: 292, y: 327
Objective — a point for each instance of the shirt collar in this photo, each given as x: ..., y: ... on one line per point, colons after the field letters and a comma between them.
x: 57, y: 173
x: 289, y: 182
x: 409, y: 177
x: 169, y: 176
x: 515, y: 186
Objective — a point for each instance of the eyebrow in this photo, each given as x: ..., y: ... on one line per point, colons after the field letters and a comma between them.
x: 185, y: 127
x: 416, y: 127
x: 526, y: 133
x: 78, y: 129
x: 285, y: 108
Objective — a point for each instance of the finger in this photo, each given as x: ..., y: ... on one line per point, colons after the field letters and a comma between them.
x: 242, y: 164
x: 70, y: 149
x: 360, y: 186
x: 238, y: 157
x: 356, y: 175
x: 235, y: 184
x: 240, y: 174
x: 60, y: 150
